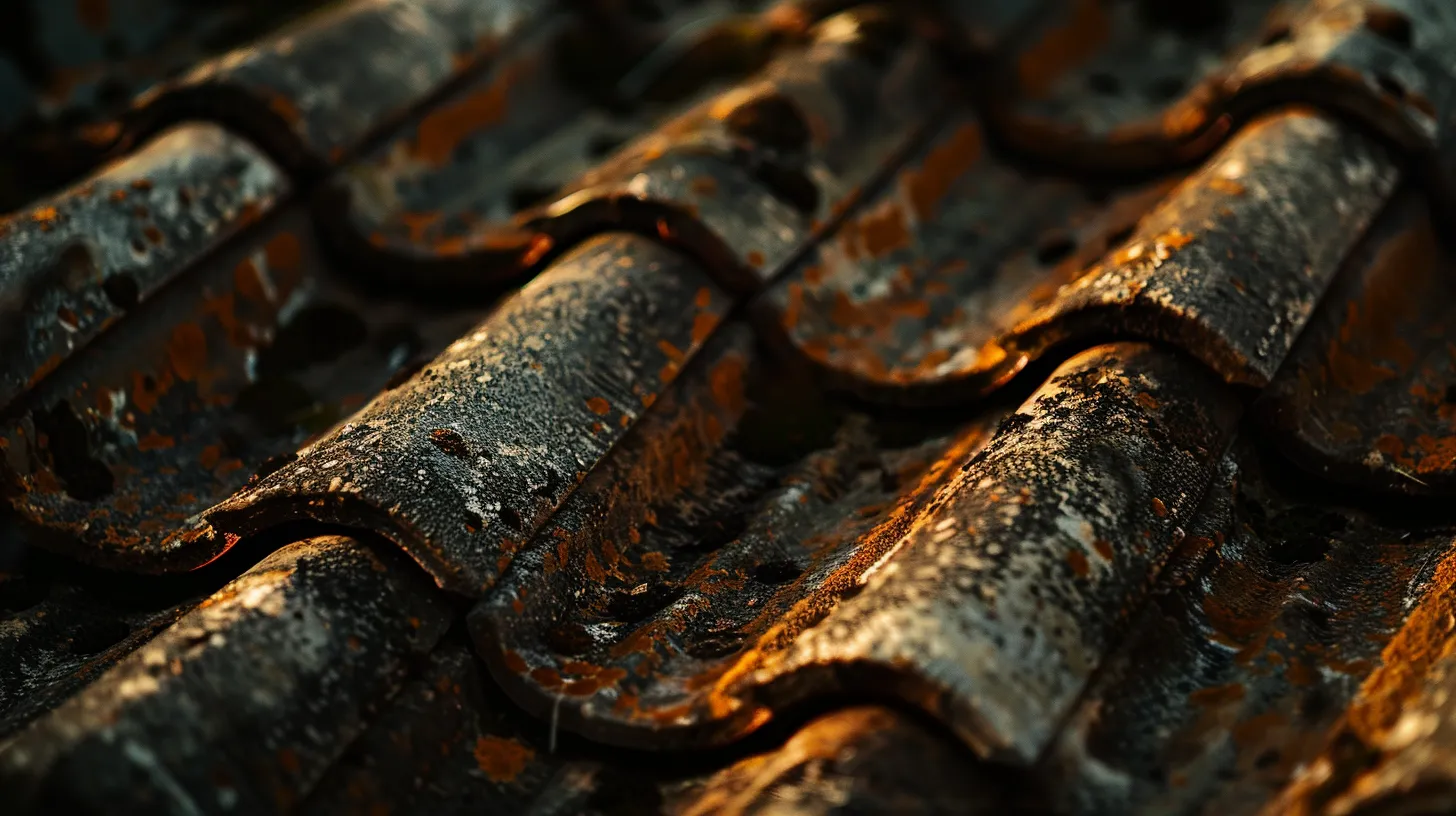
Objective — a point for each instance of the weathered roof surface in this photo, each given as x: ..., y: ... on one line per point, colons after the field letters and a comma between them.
x: 694, y: 406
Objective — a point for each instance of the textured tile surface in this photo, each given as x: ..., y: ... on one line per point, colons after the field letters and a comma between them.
x: 694, y: 406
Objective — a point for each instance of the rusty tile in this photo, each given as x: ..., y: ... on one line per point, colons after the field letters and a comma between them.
x: 1366, y: 397
x: 964, y: 270
x: 432, y: 208
x: 446, y: 743
x: 1392, y: 750
x: 914, y: 297
x: 461, y: 464
x: 73, y: 264
x: 313, y: 93
x: 244, y: 702
x: 57, y: 635
x: 1385, y: 64
x: 1125, y: 86
x: 858, y: 760
x: 739, y: 502
x: 1261, y: 631
x: 704, y: 578
x: 745, y: 179
x: 1230, y: 266
x: 780, y: 597
x: 999, y: 602
x: 83, y: 56
x: 258, y: 349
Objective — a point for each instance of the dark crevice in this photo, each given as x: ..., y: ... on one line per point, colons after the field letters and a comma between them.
x: 68, y: 443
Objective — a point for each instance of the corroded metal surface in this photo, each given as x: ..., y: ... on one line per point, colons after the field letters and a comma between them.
x: 258, y: 350
x: 1108, y: 74
x: 731, y: 506
x: 1391, y: 752
x: 75, y: 263
x: 313, y: 93
x: 690, y: 663
x: 61, y: 58
x: 1064, y: 520
x: 1386, y: 64
x: 859, y: 760
x: 1367, y: 397
x: 1230, y: 266
x: 738, y: 511
x: 1259, y: 634
x: 963, y: 272
x: 744, y: 180
x: 244, y: 702
x: 411, y: 211
x: 915, y: 297
x: 465, y: 461
x: 434, y: 206
x: 448, y: 743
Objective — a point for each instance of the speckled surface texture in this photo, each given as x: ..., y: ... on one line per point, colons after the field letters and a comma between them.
x: 728, y: 406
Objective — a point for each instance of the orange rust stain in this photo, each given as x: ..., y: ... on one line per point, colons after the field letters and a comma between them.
x: 187, y: 351
x: 594, y: 570
x: 284, y: 254
x: 1147, y: 401
x: 1078, y: 562
x: 46, y: 217
x: 599, y: 406
x: 1426, y: 637
x: 95, y: 15
x: 1103, y: 548
x: 546, y: 676
x: 286, y: 110
x: 1063, y: 47
x: 248, y: 281
x: 1300, y: 673
x: 580, y: 668
x: 155, y: 441
x: 883, y: 230
x: 1160, y: 508
x: 581, y: 688
x: 654, y: 562
x: 515, y: 662
x: 704, y: 186
x: 704, y: 298
x: 795, y: 307
x: 502, y: 760
x: 146, y: 391
x: 755, y: 258
x: 442, y: 131
x: 703, y: 325
x: 210, y: 456
x: 1255, y: 729
x: 726, y: 383
x: 418, y: 224
x: 1218, y: 695
x: 1369, y: 348
x: 929, y: 184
